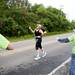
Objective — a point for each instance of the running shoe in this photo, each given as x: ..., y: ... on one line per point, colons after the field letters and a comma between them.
x: 44, y: 54
x: 37, y: 58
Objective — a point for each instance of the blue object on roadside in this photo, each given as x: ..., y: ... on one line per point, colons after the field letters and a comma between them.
x: 63, y: 40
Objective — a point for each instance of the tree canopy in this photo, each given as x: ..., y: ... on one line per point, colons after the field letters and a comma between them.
x: 17, y: 15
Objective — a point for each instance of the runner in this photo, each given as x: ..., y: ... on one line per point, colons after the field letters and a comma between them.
x: 72, y: 40
x: 39, y: 32
x: 5, y: 44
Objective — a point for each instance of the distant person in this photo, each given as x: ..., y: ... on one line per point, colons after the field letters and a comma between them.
x: 70, y: 39
x: 5, y: 44
x: 39, y: 32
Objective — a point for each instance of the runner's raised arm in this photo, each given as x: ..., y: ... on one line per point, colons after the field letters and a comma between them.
x: 31, y: 30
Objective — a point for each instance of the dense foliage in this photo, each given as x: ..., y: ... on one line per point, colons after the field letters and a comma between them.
x: 16, y: 17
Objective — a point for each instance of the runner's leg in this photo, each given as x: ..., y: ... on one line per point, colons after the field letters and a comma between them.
x: 37, y: 50
x: 40, y: 46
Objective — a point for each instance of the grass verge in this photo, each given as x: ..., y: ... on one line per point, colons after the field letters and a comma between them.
x: 25, y: 37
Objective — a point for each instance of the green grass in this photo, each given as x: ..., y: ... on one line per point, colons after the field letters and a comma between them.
x: 21, y: 38
x: 55, y: 33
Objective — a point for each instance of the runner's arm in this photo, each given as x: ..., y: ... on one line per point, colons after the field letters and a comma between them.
x: 45, y: 32
x: 42, y: 32
x: 43, y: 29
x: 31, y: 30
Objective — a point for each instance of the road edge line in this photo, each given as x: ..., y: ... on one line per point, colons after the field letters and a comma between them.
x: 56, y: 69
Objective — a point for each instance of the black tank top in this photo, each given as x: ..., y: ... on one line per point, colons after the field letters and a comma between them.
x: 37, y: 33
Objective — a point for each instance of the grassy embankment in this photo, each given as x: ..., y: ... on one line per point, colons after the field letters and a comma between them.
x: 21, y: 38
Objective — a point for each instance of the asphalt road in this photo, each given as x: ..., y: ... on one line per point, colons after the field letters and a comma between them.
x: 21, y: 62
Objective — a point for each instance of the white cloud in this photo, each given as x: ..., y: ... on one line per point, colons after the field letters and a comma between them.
x: 68, y: 6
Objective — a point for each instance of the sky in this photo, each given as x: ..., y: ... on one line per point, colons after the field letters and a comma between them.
x: 67, y: 6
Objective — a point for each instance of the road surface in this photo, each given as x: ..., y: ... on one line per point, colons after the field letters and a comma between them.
x: 21, y: 61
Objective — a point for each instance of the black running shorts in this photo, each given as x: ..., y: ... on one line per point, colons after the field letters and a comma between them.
x: 38, y: 43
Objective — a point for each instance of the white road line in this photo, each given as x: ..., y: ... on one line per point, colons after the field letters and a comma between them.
x: 56, y: 69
